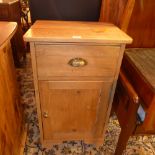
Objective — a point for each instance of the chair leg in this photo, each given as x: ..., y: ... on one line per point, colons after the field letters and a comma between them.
x: 123, y: 139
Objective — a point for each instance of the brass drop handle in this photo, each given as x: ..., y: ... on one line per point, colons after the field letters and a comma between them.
x: 77, y: 62
x: 45, y: 114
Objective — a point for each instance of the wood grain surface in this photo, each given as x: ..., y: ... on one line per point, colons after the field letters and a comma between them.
x: 142, y: 24
x: 52, y: 60
x: 61, y: 31
x: 144, y: 60
x: 112, y: 11
x: 135, y: 87
x: 77, y: 112
x: 11, y: 123
x: 72, y: 107
x: 139, y: 66
x: 7, y: 30
x: 10, y: 10
x: 136, y: 17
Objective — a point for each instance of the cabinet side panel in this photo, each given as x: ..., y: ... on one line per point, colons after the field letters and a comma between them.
x: 35, y: 79
x: 114, y: 84
x: 11, y: 117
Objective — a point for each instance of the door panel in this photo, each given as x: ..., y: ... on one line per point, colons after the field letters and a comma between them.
x: 70, y: 107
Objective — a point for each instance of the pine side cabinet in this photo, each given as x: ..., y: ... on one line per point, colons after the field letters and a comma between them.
x: 75, y: 69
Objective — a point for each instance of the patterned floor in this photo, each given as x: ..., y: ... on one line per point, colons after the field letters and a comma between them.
x: 141, y: 145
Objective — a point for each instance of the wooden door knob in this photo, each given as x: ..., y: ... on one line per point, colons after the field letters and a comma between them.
x: 45, y: 114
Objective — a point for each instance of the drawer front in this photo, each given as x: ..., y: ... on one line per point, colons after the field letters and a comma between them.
x: 76, y: 60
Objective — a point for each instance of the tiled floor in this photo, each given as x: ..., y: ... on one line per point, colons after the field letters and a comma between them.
x: 141, y: 145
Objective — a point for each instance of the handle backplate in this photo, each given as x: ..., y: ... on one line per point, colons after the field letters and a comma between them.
x: 77, y: 62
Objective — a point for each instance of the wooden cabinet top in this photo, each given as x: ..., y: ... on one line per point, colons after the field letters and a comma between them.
x: 67, y: 31
x: 8, y: 1
x: 7, y: 30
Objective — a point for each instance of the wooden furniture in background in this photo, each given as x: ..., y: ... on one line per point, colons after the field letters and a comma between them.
x: 11, y: 118
x: 125, y: 105
x: 133, y: 88
x: 75, y: 68
x: 11, y: 11
x: 130, y: 94
x: 136, y: 87
x: 117, y: 12
x: 141, y: 26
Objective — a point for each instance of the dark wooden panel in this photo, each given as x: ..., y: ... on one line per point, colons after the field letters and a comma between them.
x: 142, y: 24
x: 112, y: 11
x: 4, y: 12
x: 12, y: 12
x: 138, y: 80
x: 138, y: 70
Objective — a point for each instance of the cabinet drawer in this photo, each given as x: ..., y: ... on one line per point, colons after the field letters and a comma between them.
x: 58, y: 60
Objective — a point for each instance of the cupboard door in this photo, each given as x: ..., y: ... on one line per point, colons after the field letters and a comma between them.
x: 70, y: 110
